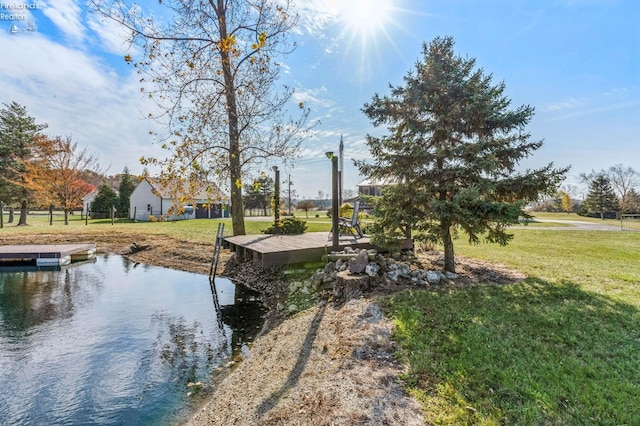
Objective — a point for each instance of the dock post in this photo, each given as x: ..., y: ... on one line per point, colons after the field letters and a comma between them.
x: 335, y: 232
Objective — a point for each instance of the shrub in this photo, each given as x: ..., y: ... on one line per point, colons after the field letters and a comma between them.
x: 345, y: 210
x: 290, y: 225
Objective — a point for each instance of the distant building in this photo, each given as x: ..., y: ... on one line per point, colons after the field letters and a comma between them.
x: 87, y: 200
x: 371, y: 187
x: 153, y: 199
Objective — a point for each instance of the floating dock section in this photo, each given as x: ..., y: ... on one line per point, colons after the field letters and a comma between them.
x: 46, y: 254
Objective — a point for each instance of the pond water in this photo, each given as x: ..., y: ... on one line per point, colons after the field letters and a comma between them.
x: 114, y: 342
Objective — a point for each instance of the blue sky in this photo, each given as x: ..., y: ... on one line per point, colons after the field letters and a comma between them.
x: 576, y: 61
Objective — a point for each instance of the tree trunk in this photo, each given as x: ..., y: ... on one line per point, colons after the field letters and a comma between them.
x: 66, y: 216
x: 449, y: 256
x: 237, y: 216
x: 23, y: 214
x: 11, y: 212
x: 349, y: 287
x: 235, y: 171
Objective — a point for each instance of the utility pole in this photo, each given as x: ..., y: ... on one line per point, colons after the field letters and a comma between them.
x: 289, y: 194
x: 276, y: 201
x: 340, y: 170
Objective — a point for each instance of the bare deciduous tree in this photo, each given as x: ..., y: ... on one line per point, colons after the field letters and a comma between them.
x: 622, y: 180
x: 212, y: 71
x: 57, y: 173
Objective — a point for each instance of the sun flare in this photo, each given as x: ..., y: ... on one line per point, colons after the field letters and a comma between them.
x: 364, y: 28
x: 366, y: 17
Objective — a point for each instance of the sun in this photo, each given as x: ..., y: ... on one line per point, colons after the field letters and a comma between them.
x: 365, y: 18
x: 363, y: 30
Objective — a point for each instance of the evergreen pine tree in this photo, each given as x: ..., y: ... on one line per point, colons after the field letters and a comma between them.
x: 451, y: 153
x: 601, y: 199
x: 126, y: 187
x: 105, y: 199
x: 18, y: 131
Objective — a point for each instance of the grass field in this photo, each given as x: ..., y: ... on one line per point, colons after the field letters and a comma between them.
x: 199, y: 230
x: 562, y: 347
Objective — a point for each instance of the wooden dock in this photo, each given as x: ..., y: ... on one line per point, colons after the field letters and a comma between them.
x: 271, y: 250
x: 46, y: 254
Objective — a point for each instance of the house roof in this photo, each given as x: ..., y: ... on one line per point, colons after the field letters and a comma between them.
x: 376, y: 182
x: 90, y: 195
x: 175, y: 188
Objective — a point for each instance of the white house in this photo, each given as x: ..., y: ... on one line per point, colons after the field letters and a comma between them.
x: 153, y: 199
x: 87, y: 200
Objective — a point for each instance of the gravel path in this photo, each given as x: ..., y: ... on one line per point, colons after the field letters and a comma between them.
x: 323, y: 366
x: 572, y: 225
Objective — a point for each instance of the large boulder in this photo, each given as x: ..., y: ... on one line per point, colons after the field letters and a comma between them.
x: 358, y: 264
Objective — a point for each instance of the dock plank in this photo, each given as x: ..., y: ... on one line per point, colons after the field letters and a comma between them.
x: 273, y: 250
x: 43, y: 251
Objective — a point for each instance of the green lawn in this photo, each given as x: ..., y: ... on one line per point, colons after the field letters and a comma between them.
x: 562, y: 347
x: 573, y: 216
x: 197, y: 230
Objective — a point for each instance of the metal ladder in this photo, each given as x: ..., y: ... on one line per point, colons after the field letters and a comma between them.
x: 216, y: 251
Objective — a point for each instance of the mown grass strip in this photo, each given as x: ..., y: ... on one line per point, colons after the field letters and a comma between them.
x: 559, y: 348
x: 196, y: 230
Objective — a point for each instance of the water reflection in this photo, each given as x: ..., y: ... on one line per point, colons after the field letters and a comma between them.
x: 30, y: 299
x: 114, y: 343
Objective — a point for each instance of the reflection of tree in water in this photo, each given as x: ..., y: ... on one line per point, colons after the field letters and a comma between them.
x: 245, y: 317
x: 185, y: 350
x: 190, y: 355
x: 28, y: 299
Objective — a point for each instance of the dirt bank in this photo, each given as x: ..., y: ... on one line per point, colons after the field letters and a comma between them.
x: 322, y: 366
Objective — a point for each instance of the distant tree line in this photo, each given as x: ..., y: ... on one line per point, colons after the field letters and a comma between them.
x: 41, y: 171
x: 610, y: 194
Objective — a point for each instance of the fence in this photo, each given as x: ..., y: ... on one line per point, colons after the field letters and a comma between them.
x: 630, y: 222
x: 51, y: 216
x: 146, y: 215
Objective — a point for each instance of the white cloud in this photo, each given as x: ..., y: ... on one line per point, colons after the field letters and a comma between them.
x: 313, y: 96
x: 78, y: 95
x: 568, y: 104
x: 285, y: 67
x: 614, y: 99
x: 316, y: 15
x: 112, y: 35
x: 66, y: 15
x: 33, y: 59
